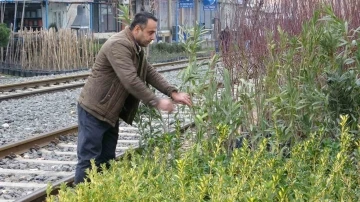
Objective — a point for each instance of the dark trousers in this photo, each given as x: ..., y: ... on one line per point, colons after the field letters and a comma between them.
x: 96, y: 140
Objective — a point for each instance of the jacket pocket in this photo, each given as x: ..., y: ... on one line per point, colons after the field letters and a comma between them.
x: 109, y: 94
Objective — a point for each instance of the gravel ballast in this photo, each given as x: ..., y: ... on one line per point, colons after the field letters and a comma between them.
x: 30, y: 116
x: 15, y: 170
x: 5, y: 80
x: 34, y: 115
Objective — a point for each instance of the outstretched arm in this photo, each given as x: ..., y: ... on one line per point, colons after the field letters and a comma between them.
x: 155, y: 79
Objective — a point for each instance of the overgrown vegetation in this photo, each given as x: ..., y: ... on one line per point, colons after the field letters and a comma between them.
x: 167, y: 47
x: 288, y: 132
x: 4, y: 35
x: 318, y: 170
x: 163, y: 52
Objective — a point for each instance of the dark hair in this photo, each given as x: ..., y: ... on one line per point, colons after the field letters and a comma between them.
x: 142, y: 19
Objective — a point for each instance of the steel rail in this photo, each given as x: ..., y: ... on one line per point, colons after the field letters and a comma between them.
x: 34, y: 142
x: 41, y: 194
x: 38, y: 83
x: 34, y: 86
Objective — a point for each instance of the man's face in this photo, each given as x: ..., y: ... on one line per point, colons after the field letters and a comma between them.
x: 144, y: 36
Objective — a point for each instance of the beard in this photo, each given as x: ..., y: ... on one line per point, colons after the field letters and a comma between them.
x: 143, y: 43
x: 140, y: 39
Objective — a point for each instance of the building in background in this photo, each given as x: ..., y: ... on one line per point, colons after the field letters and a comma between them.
x: 36, y: 14
x: 101, y: 16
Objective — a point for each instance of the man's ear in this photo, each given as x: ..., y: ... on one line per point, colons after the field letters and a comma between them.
x: 136, y: 28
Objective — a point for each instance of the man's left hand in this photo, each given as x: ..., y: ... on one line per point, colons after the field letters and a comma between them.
x: 182, y: 98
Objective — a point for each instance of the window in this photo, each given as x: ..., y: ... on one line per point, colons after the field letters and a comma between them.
x: 107, y: 18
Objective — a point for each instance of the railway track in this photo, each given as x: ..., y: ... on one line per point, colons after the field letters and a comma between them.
x: 51, y: 157
x: 18, y: 90
x: 28, y: 166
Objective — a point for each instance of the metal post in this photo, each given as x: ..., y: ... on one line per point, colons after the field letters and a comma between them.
x: 196, y: 9
x: 91, y: 16
x: 22, y: 16
x: 15, y: 16
x: 201, y: 13
x: 169, y: 19
x: 47, y: 14
x: 177, y: 21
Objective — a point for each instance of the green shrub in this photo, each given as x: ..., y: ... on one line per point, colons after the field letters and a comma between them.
x: 318, y: 170
x: 311, y: 80
x: 4, y: 35
x: 167, y: 47
x: 344, y: 96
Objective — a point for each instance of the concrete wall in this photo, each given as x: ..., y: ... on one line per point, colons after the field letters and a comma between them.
x: 57, y: 13
x: 63, y: 14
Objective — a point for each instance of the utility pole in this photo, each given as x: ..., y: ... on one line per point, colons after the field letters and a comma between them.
x: 47, y: 14
x: 22, y: 16
x: 3, y: 7
x: 196, y: 7
x: 170, y: 19
x: 15, y: 14
x: 177, y: 21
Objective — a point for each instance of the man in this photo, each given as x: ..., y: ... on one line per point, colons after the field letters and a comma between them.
x: 117, y: 83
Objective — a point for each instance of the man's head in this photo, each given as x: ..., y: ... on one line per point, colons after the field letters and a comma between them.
x: 143, y: 28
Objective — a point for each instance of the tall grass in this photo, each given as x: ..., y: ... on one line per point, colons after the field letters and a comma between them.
x: 47, y: 50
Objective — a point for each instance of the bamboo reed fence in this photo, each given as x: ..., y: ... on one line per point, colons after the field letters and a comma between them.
x: 50, y: 51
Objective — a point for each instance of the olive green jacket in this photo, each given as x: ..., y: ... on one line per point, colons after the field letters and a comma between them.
x: 118, y: 81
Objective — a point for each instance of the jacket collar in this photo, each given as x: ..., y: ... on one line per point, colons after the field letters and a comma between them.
x: 130, y: 36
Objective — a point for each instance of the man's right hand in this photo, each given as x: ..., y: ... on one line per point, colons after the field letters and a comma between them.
x: 166, y: 104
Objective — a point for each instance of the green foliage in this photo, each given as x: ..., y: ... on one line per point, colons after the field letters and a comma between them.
x: 318, y: 170
x: 193, y: 43
x: 124, y: 14
x: 311, y: 80
x: 344, y: 90
x: 4, y: 35
x: 167, y: 47
x: 156, y: 56
x: 298, y: 125
x: 163, y: 52
x: 150, y: 133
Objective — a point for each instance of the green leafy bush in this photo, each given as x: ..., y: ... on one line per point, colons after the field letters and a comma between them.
x: 4, y: 35
x: 311, y: 80
x: 344, y: 96
x: 318, y: 170
x: 167, y: 47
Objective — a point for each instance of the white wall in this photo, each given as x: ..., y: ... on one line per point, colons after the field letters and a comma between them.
x: 65, y: 14
x: 57, y: 13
